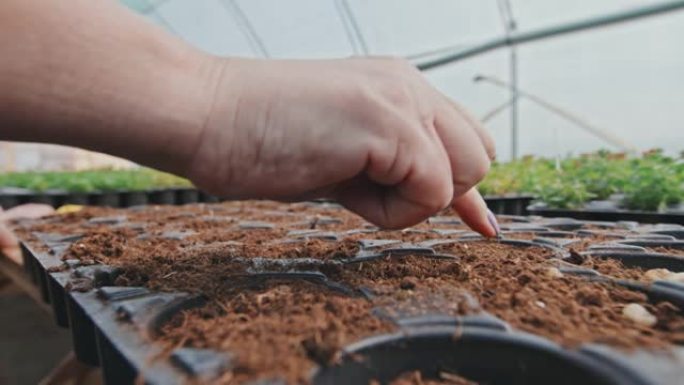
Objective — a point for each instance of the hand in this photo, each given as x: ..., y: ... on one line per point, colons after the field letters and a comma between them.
x: 9, y: 245
x: 370, y: 133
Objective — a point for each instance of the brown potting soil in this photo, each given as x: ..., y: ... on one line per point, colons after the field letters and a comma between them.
x: 606, y: 266
x: 284, y: 327
x: 612, y: 268
x: 277, y: 329
x: 513, y: 284
x: 668, y: 250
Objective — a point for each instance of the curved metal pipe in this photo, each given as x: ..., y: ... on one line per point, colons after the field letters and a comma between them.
x: 602, y: 133
x: 561, y: 29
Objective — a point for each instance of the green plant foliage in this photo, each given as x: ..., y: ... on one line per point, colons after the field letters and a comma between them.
x: 564, y: 194
x: 650, y: 182
x: 601, y: 174
x: 93, y: 180
x: 655, y: 182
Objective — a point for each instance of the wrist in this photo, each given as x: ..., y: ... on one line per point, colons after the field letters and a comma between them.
x: 210, y: 162
x: 182, y: 110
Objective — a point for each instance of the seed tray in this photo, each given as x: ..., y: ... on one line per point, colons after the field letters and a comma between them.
x: 10, y: 197
x: 509, y: 205
x: 113, y: 326
x: 676, y: 217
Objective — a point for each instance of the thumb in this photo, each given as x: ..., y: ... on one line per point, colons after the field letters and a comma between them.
x: 474, y: 212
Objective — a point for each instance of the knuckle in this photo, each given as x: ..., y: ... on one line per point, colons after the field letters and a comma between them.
x: 489, y: 146
x: 441, y: 192
x: 440, y: 201
x: 482, y: 170
x: 479, y: 171
x: 492, y: 153
x: 473, y: 175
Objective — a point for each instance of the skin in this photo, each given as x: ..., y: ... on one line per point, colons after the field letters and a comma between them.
x: 371, y: 133
x: 9, y: 245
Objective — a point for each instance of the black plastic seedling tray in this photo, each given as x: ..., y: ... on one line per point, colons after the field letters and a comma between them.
x: 10, y: 197
x: 487, y: 355
x: 112, y: 326
x: 508, y: 205
x: 609, y: 215
x: 13, y: 196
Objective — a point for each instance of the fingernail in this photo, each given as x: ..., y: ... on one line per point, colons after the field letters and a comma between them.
x: 492, y: 221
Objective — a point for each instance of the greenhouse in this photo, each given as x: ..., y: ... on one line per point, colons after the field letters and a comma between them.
x: 341, y: 192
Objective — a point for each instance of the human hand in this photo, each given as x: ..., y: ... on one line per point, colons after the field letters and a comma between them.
x: 9, y: 245
x: 371, y: 133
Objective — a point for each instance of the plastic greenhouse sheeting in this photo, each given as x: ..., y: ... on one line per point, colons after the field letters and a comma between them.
x: 622, y: 78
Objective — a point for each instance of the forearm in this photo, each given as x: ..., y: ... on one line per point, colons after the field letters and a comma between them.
x: 88, y: 73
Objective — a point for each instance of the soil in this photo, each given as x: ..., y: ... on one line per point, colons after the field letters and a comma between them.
x: 215, y: 250
x: 667, y: 250
x: 609, y: 267
x: 300, y: 321
x: 613, y: 268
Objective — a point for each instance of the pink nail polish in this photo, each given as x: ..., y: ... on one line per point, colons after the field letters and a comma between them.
x: 492, y: 221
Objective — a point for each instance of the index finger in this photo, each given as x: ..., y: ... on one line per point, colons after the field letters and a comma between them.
x: 473, y: 210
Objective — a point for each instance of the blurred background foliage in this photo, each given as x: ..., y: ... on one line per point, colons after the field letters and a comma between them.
x: 652, y: 181
x: 649, y: 182
x: 93, y: 180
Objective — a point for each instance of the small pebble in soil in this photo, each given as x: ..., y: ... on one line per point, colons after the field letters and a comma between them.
x: 639, y: 314
x: 553, y: 272
x: 663, y: 275
x: 656, y: 274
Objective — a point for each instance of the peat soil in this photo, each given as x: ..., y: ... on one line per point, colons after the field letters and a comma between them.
x: 241, y: 256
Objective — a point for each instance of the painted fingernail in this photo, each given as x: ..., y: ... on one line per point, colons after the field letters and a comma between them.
x: 492, y: 221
